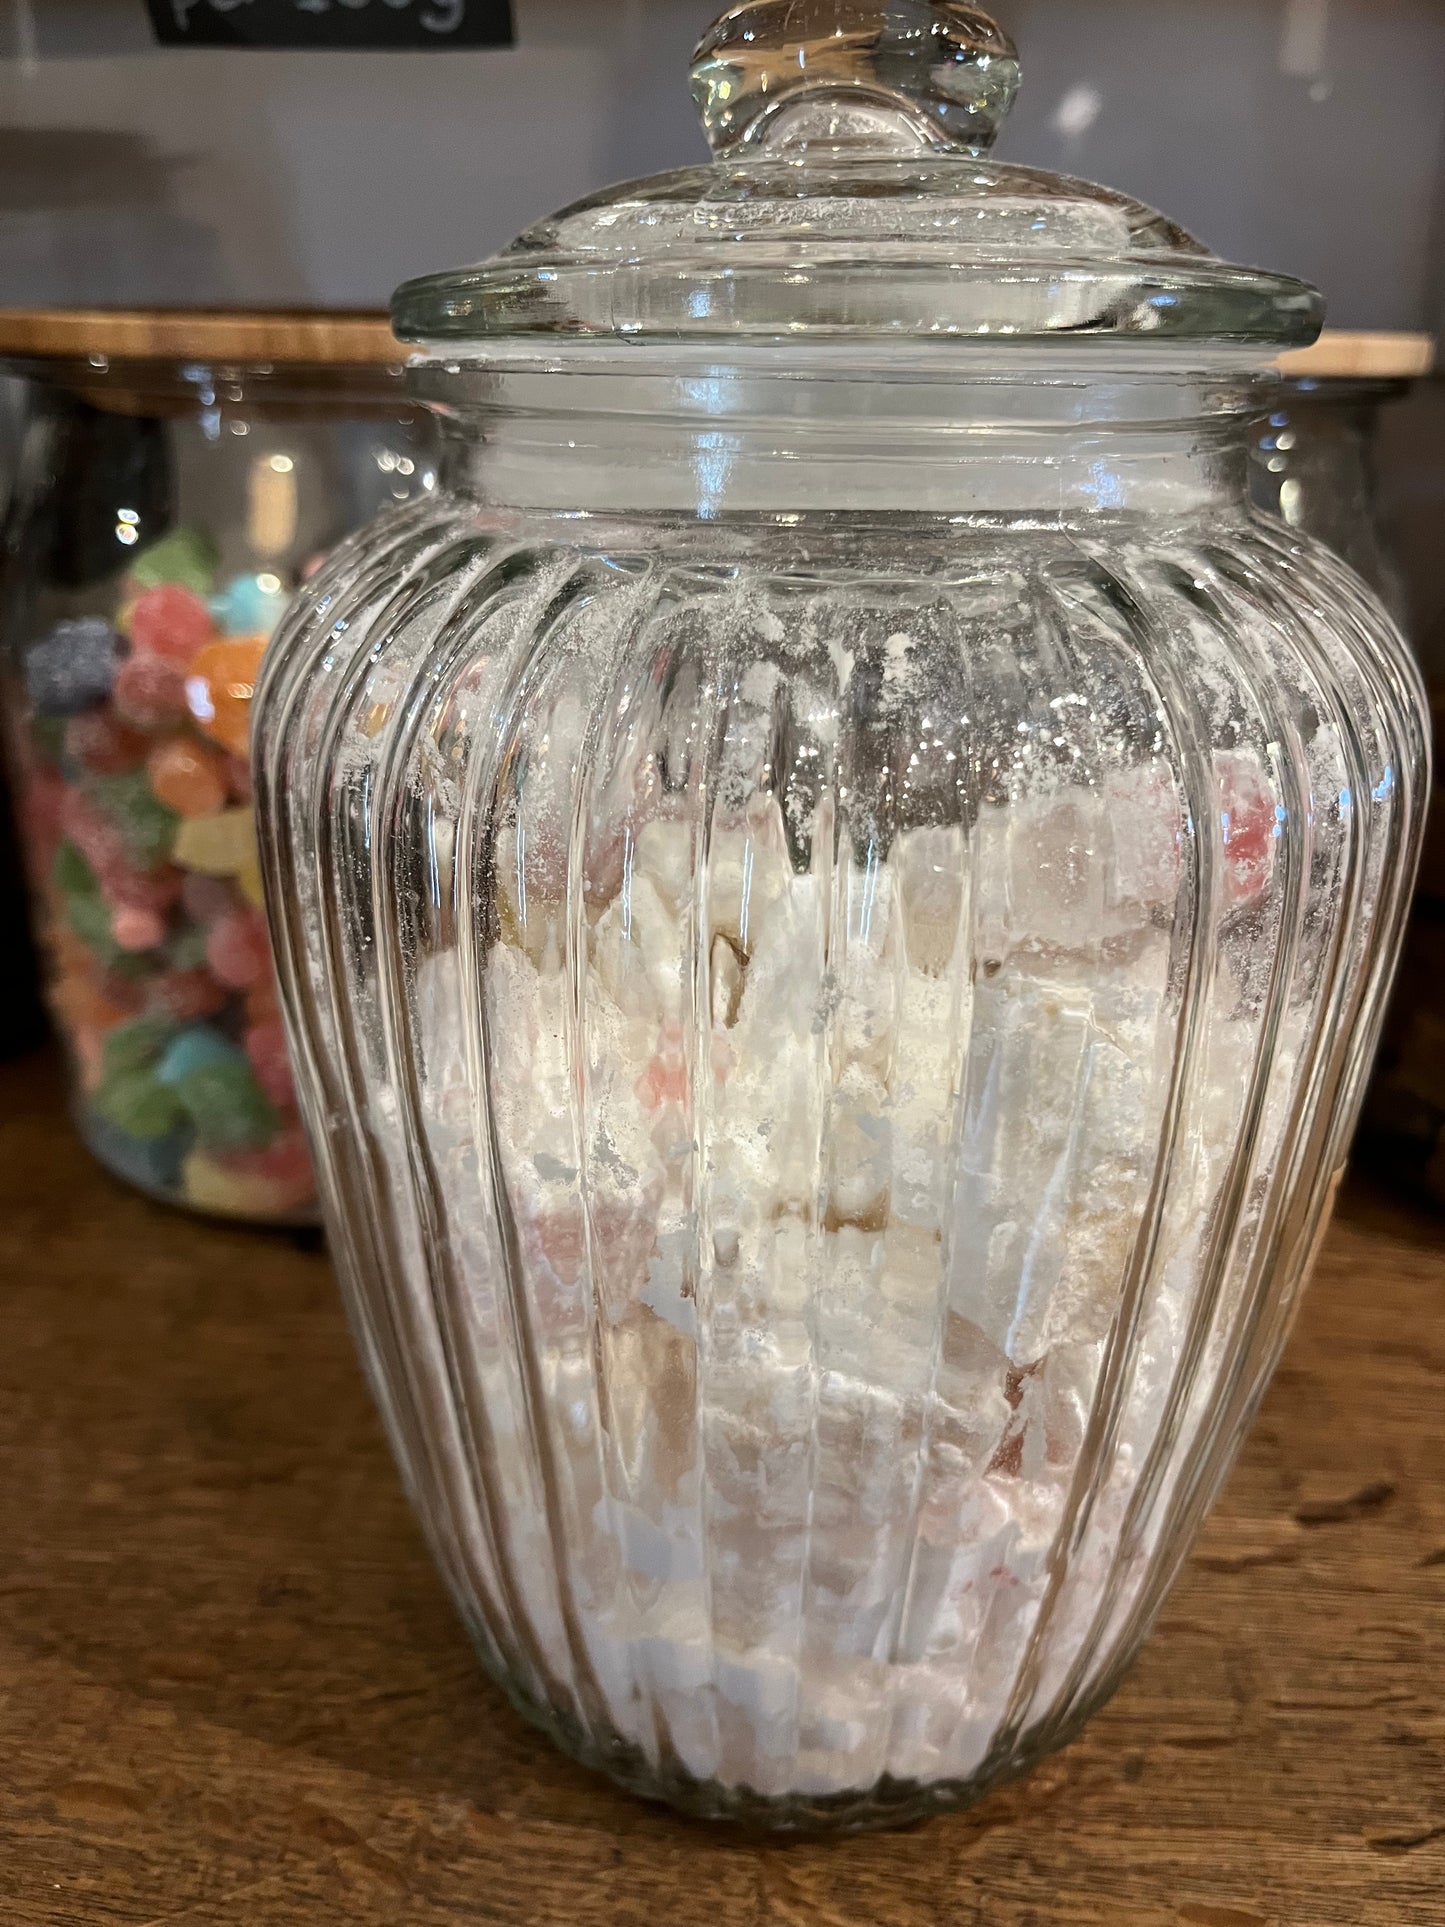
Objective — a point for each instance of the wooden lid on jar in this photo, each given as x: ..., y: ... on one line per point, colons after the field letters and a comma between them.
x: 1344, y: 354
x: 314, y: 337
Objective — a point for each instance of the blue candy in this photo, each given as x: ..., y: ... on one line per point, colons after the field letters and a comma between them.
x: 249, y: 605
x: 194, y: 1049
x: 151, y: 1164
x: 73, y: 668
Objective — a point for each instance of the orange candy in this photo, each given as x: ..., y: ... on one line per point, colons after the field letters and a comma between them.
x: 186, y: 777
x: 219, y: 686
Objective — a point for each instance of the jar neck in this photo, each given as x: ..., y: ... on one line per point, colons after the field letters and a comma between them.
x: 1039, y: 439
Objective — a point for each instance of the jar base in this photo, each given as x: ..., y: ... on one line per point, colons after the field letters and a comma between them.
x: 889, y: 1803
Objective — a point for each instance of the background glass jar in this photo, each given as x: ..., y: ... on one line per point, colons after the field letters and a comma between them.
x: 178, y: 474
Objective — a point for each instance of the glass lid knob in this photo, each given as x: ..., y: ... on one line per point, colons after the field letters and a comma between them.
x: 781, y: 77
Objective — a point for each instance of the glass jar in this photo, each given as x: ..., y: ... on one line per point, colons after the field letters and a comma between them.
x: 179, y: 474
x: 1312, y: 457
x: 833, y: 888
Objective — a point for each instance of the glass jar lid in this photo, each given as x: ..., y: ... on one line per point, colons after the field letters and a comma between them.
x: 851, y: 197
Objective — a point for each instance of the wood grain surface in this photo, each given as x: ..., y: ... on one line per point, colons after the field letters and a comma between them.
x: 232, y: 1693
x: 312, y: 336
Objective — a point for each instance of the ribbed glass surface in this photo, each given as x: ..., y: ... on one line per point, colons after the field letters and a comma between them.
x: 828, y: 1044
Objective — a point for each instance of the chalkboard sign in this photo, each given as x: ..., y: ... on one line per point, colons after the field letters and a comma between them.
x: 332, y: 23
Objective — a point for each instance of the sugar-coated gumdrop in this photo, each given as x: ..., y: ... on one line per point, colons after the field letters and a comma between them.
x: 136, y: 1103
x: 238, y: 949
x: 219, y: 688
x: 170, y: 622
x: 285, y: 1160
x: 248, y: 879
x: 250, y: 605
x: 217, y: 845
x: 146, y: 827
x: 238, y: 779
x: 185, y: 556
x: 81, y: 1005
x: 137, y: 929
x: 187, y: 777
x: 150, y: 692
x: 73, y: 667
x: 190, y: 1050
x: 184, y: 995
x: 125, y: 887
x: 135, y: 1046
x: 88, y: 917
x: 266, y: 1048
x: 227, y: 1106
x: 205, y: 898
x: 103, y: 744
x: 90, y: 832
x: 152, y: 1164
x: 71, y: 874
x: 211, y: 1186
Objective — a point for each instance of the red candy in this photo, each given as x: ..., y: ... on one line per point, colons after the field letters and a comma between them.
x: 169, y: 622
x: 238, y: 950
x: 150, y: 692
x: 102, y: 744
x: 126, y: 888
x: 266, y: 1048
x: 184, y: 995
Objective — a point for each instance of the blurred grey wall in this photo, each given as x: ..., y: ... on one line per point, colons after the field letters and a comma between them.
x: 1305, y: 134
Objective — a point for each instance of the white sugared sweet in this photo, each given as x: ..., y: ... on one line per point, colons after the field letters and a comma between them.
x: 828, y: 1189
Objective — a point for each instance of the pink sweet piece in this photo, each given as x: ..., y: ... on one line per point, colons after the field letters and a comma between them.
x: 1250, y: 821
x: 102, y: 743
x: 150, y: 692
x: 91, y: 831
x: 137, y: 929
x: 169, y: 622
x: 238, y: 950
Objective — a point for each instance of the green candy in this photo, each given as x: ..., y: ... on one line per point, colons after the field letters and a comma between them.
x: 88, y: 915
x: 185, y: 556
x: 227, y: 1106
x: 147, y: 826
x: 134, y: 1102
x: 134, y: 1046
x: 72, y: 875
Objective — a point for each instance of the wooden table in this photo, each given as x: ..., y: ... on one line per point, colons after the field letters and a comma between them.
x: 232, y: 1693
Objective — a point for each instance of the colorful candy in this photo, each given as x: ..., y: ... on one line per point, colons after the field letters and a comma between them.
x: 169, y: 622
x: 72, y: 668
x: 150, y: 692
x: 187, y: 777
x: 137, y: 806
x: 219, y: 688
x: 186, y: 556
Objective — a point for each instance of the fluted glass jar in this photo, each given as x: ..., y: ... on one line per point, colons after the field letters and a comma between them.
x: 833, y: 887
